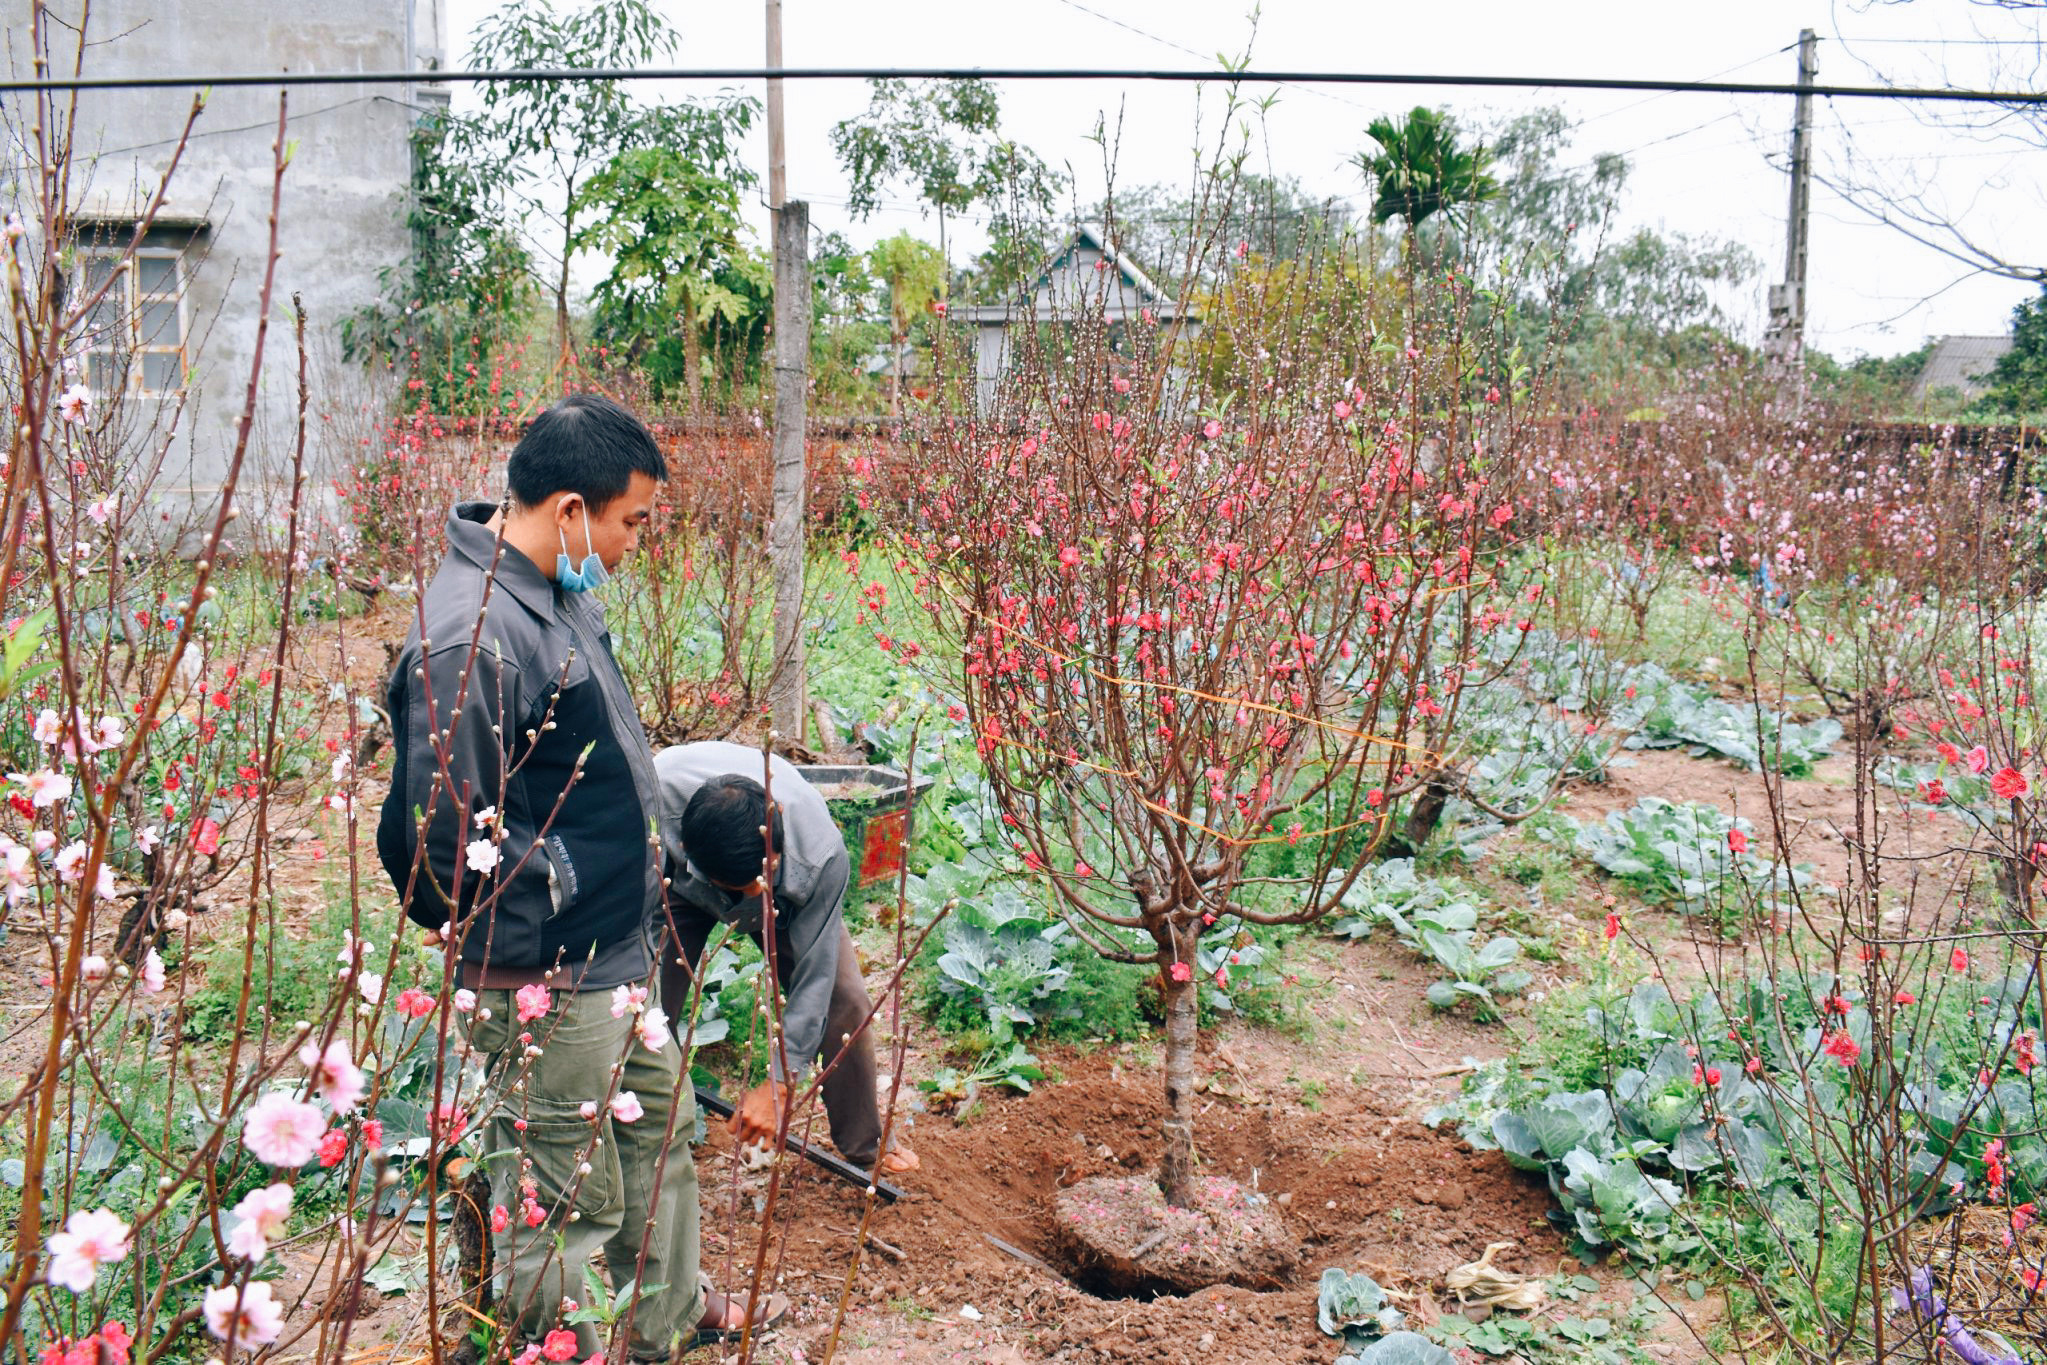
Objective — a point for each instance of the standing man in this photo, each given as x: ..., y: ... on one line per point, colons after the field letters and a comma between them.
x: 520, y: 829
x: 713, y: 808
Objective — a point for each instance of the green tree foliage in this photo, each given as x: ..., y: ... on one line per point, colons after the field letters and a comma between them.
x: 464, y: 291
x: 548, y: 137
x: 1329, y: 300
x: 1549, y: 217
x: 844, y: 332
x: 1419, y: 168
x: 737, y: 307
x: 913, y: 273
x: 2018, y: 382
x: 944, y: 137
x: 1877, y: 384
x: 1170, y: 232
x: 667, y: 213
x: 1623, y: 310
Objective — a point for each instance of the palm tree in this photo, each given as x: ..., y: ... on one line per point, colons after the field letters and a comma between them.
x: 1419, y: 168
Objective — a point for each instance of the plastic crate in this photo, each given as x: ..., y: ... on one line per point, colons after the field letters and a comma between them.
x: 874, y: 825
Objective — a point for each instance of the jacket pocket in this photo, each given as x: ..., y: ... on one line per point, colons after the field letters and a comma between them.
x: 562, y: 886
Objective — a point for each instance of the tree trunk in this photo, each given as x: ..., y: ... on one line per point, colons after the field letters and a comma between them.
x: 1427, y: 813
x: 786, y: 685
x: 895, y: 396
x: 561, y: 284
x: 1176, y: 1170
x: 692, y: 350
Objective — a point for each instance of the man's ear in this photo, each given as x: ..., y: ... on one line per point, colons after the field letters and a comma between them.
x: 568, y: 510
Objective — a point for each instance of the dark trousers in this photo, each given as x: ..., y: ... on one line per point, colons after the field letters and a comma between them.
x: 850, y: 1104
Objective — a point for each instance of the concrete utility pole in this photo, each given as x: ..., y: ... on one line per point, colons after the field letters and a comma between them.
x: 778, y: 171
x: 787, y: 686
x: 1785, y: 347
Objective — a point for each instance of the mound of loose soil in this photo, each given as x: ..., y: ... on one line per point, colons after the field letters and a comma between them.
x: 1358, y: 1184
x: 1124, y: 1238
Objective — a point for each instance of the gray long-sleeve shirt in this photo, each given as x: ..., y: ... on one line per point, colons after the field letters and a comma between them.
x: 810, y: 880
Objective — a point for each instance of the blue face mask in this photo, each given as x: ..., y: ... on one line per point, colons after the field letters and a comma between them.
x: 593, y: 574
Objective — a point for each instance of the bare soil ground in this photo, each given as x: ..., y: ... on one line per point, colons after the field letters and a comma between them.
x: 1323, y: 1119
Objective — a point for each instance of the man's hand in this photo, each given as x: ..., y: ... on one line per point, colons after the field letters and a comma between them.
x: 759, y: 1113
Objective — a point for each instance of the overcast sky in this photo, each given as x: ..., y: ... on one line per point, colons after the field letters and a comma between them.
x: 1709, y: 165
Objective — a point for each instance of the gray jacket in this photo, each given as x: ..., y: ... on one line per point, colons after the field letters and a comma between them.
x: 810, y: 880
x: 547, y: 733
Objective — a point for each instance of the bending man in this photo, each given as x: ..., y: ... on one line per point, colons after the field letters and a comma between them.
x: 713, y: 808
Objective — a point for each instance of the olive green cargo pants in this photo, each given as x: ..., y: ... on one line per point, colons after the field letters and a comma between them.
x: 601, y: 1183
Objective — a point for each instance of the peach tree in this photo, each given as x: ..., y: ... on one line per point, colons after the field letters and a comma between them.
x: 1208, y: 612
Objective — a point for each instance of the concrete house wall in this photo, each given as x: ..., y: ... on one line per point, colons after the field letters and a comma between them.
x: 1087, y: 278
x: 342, y: 216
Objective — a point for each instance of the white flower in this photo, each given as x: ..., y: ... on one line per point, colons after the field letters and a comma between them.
x: 95, y: 968
x: 152, y: 973
x: 334, y: 1076
x: 342, y: 764
x: 70, y: 861
x: 263, y: 1214
x: 371, y: 985
x: 626, y: 1107
x: 75, y: 403
x: 486, y: 817
x: 45, y: 788
x: 78, y: 736
x: 482, y: 855
x: 99, y: 509
x: 109, y: 731
x: 90, y: 1239
x: 654, y: 1028
x: 16, y: 869
x: 147, y: 838
x: 103, y: 885
x: 342, y: 803
x: 174, y: 921
x: 351, y: 948
x: 282, y: 1131
x: 465, y: 1001
x: 248, y: 1313
x: 48, y: 729
x: 624, y: 998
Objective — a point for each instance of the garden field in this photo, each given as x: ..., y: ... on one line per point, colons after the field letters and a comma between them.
x: 1609, y: 1026
x: 1449, y: 824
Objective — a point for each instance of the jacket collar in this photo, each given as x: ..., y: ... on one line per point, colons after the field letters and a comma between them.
x: 470, y: 537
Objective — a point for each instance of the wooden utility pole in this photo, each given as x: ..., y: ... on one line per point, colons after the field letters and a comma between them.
x: 787, y: 686
x: 1785, y: 347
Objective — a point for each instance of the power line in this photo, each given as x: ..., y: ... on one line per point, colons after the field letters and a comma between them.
x: 1946, y: 42
x: 1132, y: 74
x: 1182, y: 47
x: 1738, y: 66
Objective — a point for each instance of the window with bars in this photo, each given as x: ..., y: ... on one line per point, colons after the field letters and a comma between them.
x: 134, y: 338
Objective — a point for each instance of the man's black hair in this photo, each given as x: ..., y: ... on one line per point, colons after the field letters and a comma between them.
x: 721, y: 829
x: 584, y: 444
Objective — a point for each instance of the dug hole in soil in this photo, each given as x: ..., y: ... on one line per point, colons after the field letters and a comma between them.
x: 1355, y: 1184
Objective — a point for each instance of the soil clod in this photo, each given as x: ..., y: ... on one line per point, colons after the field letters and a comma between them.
x: 1125, y: 1241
